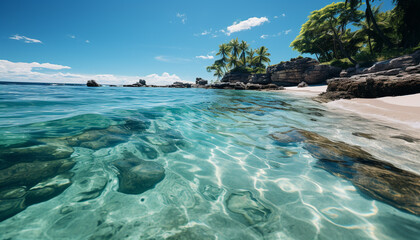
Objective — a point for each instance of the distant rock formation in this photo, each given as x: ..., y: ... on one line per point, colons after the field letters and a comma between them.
x: 140, y: 83
x: 395, y: 77
x: 180, y: 85
x: 301, y: 69
x: 289, y: 73
x: 92, y: 83
x: 200, y: 81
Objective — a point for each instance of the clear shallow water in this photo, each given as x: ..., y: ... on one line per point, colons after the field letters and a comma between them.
x: 225, y: 177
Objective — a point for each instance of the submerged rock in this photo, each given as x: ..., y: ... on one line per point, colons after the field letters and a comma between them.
x: 193, y: 233
x: 137, y: 176
x: 48, y: 189
x: 90, y: 187
x: 246, y: 205
x: 379, y: 180
x: 10, y: 207
x: 29, y: 174
x: 10, y: 156
x: 363, y: 135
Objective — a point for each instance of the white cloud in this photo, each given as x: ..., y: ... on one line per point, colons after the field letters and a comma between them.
x: 27, y: 72
x: 72, y: 36
x: 246, y: 25
x: 205, y: 32
x: 25, y: 39
x: 87, y: 41
x: 171, y: 59
x: 182, y: 16
x: 205, y: 57
x: 287, y: 31
x: 264, y: 36
x: 283, y: 15
x: 276, y: 16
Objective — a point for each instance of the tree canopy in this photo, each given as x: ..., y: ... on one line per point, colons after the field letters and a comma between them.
x: 237, y: 56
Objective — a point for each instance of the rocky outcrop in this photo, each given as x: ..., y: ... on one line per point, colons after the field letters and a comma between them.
x: 180, y: 85
x: 262, y: 79
x: 377, y: 179
x: 243, y: 86
x: 201, y: 82
x: 395, y: 77
x: 92, y: 83
x: 302, y: 84
x: 140, y: 83
x: 236, y: 77
x: 301, y: 69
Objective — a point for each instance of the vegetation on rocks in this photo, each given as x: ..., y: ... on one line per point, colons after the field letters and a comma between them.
x: 343, y: 35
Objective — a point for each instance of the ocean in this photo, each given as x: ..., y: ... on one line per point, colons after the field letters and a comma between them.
x: 161, y: 163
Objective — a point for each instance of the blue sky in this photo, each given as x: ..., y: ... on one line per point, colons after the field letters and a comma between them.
x: 120, y: 41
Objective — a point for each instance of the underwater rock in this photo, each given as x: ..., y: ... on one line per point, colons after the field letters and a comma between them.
x: 90, y: 187
x: 135, y: 125
x: 97, y: 139
x: 29, y: 174
x: 377, y: 179
x: 363, y: 135
x: 103, y: 142
x: 149, y: 151
x: 246, y: 205
x: 193, y: 233
x: 46, y: 152
x: 10, y: 207
x: 48, y: 189
x: 212, y: 193
x: 11, y: 193
x: 406, y: 138
x: 137, y: 176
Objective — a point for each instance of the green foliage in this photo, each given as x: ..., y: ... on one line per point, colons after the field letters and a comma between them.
x: 239, y: 58
x: 375, y: 35
x: 325, y: 34
x: 341, y: 63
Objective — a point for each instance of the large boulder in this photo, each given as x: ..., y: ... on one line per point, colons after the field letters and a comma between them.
x: 368, y: 86
x: 200, y: 81
x: 301, y: 69
x: 377, y: 179
x: 236, y: 77
x: 142, y: 82
x: 137, y: 176
x: 92, y: 83
x: 400, y: 62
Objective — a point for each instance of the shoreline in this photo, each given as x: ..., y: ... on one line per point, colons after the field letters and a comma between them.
x: 402, y: 112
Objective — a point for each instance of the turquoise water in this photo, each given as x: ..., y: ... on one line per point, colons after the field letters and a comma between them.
x: 226, y: 175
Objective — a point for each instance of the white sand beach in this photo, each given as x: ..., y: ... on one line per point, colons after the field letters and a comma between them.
x: 402, y: 112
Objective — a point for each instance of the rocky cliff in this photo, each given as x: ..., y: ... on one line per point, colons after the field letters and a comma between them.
x: 395, y: 77
x: 289, y: 73
x: 296, y: 70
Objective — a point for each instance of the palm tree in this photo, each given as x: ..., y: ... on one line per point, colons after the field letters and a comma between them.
x: 366, y: 28
x: 370, y: 18
x: 224, y: 52
x: 251, y: 57
x: 234, y: 44
x: 262, y: 56
x: 233, y: 62
x: 217, y: 67
x: 243, y: 47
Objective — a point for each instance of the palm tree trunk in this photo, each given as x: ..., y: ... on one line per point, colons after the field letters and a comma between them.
x: 340, y: 44
x: 375, y: 25
x: 370, y: 45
